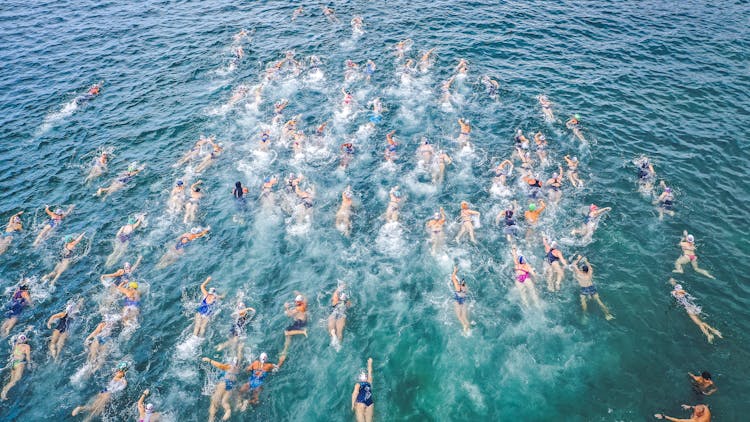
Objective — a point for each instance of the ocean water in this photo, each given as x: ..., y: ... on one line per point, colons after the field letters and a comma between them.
x: 664, y: 79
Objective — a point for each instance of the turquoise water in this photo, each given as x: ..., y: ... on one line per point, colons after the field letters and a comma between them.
x: 668, y: 80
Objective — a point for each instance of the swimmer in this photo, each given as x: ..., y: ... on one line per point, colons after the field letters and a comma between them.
x: 687, y: 301
x: 297, y: 13
x: 362, y: 403
x: 555, y: 186
x: 298, y: 312
x: 369, y: 69
x: 445, y: 89
x: 585, y: 277
x: 541, y: 146
x: 20, y: 358
x: 266, y: 191
x: 146, y: 412
x: 687, y: 243
x: 357, y: 23
x: 55, y: 218
x: 178, y: 249
x: 20, y: 300
x: 122, y: 180
x: 434, y: 228
x: 394, y: 205
x: 241, y: 90
x: 206, y: 308
x: 348, y: 99
x: 66, y: 258
x: 462, y: 68
x: 176, y: 197
x: 96, y: 405
x: 574, y: 124
x: 573, y: 171
x: 556, y: 261
x: 239, y: 192
x: 352, y: 71
x: 191, y: 206
x: 469, y: 218
x: 438, y: 168
x: 502, y: 172
x: 377, y: 111
x: 344, y: 213
x: 305, y: 198
x: 195, y: 151
x: 510, y: 228
x: 15, y: 225
x: 391, y: 150
x: 209, y: 158
x: 521, y: 143
x: 532, y: 214
x: 463, y: 137
x: 93, y: 91
x: 60, y: 332
x: 665, y: 202
x: 298, y: 141
x: 330, y: 14
x: 546, y: 108
x: 591, y: 222
x: 340, y: 303
x: 701, y: 413
x: 491, y: 87
x: 534, y: 184
x: 122, y: 238
x: 265, y: 140
x: 243, y: 315
x: 402, y: 47
x: 425, y: 151
x: 258, y: 371
x: 98, y: 343
x: 646, y: 174
x: 240, y: 35
x: 124, y: 274
x: 223, y: 389
x: 703, y: 383
x: 131, y: 303
x: 524, y: 283
x: 99, y: 166
x: 425, y: 61
x: 459, y: 297
x: 347, y: 153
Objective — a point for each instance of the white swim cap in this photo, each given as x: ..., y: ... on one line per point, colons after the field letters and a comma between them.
x: 690, y: 238
x: 149, y: 408
x: 343, y: 296
x: 195, y: 230
x: 363, y: 376
x: 263, y: 357
x: 299, y: 298
x: 678, y: 286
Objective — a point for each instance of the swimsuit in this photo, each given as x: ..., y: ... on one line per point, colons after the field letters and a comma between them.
x: 62, y: 324
x: 298, y: 324
x: 551, y: 258
x: 19, y: 358
x: 687, y: 302
x: 364, y: 395
x: 338, y: 311
x: 239, y: 326
x: 17, y: 303
x: 459, y: 296
x: 523, y: 276
x: 206, y: 308
x: 115, y: 386
x: 127, y: 302
x: 257, y: 376
x: 588, y: 291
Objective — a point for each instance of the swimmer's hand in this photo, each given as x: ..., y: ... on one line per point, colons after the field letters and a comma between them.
x: 659, y: 415
x: 146, y: 392
x: 206, y: 359
x: 686, y: 407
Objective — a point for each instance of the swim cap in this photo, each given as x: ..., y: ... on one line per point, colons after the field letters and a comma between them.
x: 667, y: 189
x: 542, y: 137
x: 212, y: 290
x: 131, y: 220
x: 123, y: 366
x: 593, y: 207
x: 149, y: 408
x: 363, y: 376
x: 343, y: 296
x: 397, y: 194
x: 521, y: 260
x: 21, y: 338
x: 263, y: 357
x: 519, y: 132
x: 266, y: 179
x: 58, y: 211
x: 436, y: 216
x: 532, y: 207
x: 195, y: 230
x: 133, y: 285
x: 24, y: 287
x: 577, y: 116
x: 690, y: 238
x: 553, y: 245
x: 126, y: 265
x: 426, y: 142
x: 555, y: 175
x: 132, y: 167
x: 348, y: 193
x: 464, y: 204
x: 678, y: 286
x: 180, y: 182
x: 299, y: 298
x: 575, y: 159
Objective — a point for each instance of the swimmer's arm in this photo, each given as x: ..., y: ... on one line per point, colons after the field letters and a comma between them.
x: 546, y: 244
x: 138, y: 222
x: 78, y: 239
x: 137, y: 262
x: 248, y: 310
x: 544, y: 205
x: 442, y: 215
x: 141, y: 408
x: 499, y: 217
x: 96, y: 331
x: 454, y: 277
x: 46, y: 209
x: 121, y: 289
x: 203, y: 285
x: 54, y: 317
x: 355, y: 393
x: 112, y: 275
x: 218, y: 365
x: 669, y: 418
x: 369, y: 370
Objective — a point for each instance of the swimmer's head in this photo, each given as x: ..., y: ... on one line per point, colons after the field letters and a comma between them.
x: 678, y: 287
x: 464, y: 205
x: 397, y: 193
x: 238, y: 185
x: 299, y: 299
x: 575, y: 159
x: 196, y: 189
x: 348, y: 193
x: 519, y: 132
x: 263, y: 357
x: 690, y: 238
x: 24, y: 287
x: 585, y: 268
x: 149, y: 408
x: 532, y: 207
x: 555, y: 175
x: 362, y: 376
x: 212, y: 290
x: 542, y: 137
x: 706, y: 375
x: 553, y: 245
x: 463, y: 282
x: 16, y: 219
x: 179, y: 182
x: 21, y: 338
x: 132, y: 167
x: 195, y: 230
x: 265, y: 179
x: 425, y: 141
x: 436, y: 216
x: 133, y: 285
x: 131, y: 220
x: 59, y: 211
x: 123, y: 366
x: 126, y: 266
x: 508, y: 213
x: 668, y: 189
x: 521, y: 259
x: 577, y: 116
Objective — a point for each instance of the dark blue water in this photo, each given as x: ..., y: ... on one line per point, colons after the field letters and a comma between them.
x: 666, y: 80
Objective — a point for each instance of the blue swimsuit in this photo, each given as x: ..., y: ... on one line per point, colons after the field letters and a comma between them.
x: 365, y: 394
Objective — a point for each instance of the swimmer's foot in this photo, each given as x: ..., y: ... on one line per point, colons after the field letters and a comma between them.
x: 609, y: 317
x: 304, y: 332
x: 75, y: 411
x: 677, y: 271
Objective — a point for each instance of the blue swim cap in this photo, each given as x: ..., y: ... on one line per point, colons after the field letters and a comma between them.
x: 180, y: 182
x: 266, y: 179
x: 376, y: 118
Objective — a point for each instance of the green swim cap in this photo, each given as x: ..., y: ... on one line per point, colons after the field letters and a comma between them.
x: 532, y: 207
x: 577, y: 116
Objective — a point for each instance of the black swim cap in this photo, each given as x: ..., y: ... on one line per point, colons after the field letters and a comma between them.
x: 585, y: 268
